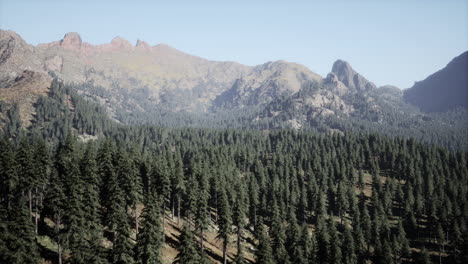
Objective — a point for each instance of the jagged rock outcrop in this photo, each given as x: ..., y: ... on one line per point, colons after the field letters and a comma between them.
x: 265, y: 83
x: 350, y: 78
x: 54, y: 64
x: 71, y: 41
x: 140, y: 44
x: 183, y: 81
x: 119, y: 43
x: 336, y: 85
x: 16, y: 56
x: 443, y: 90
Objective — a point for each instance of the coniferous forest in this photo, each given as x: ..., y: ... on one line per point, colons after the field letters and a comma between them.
x: 136, y: 194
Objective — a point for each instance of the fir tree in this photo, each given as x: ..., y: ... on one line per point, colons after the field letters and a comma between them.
x: 188, y: 252
x: 264, y: 251
x: 150, y: 237
x: 224, y: 222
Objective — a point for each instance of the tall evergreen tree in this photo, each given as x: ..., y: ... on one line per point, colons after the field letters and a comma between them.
x: 93, y: 232
x: 150, y: 238
x: 264, y: 251
x: 17, y: 237
x: 224, y: 222
x: 188, y: 252
x: 239, y: 217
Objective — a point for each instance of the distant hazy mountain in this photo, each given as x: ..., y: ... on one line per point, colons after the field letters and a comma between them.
x: 443, y: 90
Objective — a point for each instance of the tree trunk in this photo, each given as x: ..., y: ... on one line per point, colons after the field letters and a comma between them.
x: 35, y: 215
x: 202, y: 251
x: 255, y: 217
x: 59, y: 251
x: 224, y: 252
x: 136, y: 219
x: 341, y: 218
x: 57, y: 230
x: 239, y: 237
x: 164, y: 223
x: 173, y: 208
x: 440, y: 254
x: 178, y: 208
x: 41, y: 196
x: 216, y: 203
x: 30, y: 202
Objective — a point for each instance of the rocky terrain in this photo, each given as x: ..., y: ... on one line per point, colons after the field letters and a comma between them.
x: 160, y: 85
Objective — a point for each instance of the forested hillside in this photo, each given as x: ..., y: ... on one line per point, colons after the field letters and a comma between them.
x: 150, y: 155
x: 278, y: 197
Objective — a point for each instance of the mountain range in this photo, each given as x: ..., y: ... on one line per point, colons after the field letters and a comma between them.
x: 144, y: 84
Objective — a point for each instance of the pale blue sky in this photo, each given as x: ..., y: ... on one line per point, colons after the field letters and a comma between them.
x: 389, y: 42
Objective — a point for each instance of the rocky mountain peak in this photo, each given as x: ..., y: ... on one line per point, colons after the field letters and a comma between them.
x: 121, y: 43
x: 142, y: 45
x: 15, y: 55
x: 9, y: 41
x: 71, y: 40
x: 342, y: 68
x: 349, y: 77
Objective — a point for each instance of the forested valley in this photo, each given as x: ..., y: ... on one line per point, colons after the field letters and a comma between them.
x: 150, y: 194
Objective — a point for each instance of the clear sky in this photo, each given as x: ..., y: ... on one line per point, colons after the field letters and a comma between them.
x: 389, y: 42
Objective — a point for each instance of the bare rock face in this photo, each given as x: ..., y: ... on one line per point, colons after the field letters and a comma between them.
x: 71, y: 41
x: 353, y: 80
x: 265, y: 83
x: 328, y: 101
x: 338, y: 87
x: 23, y: 89
x: 16, y: 56
x: 119, y: 43
x: 54, y: 64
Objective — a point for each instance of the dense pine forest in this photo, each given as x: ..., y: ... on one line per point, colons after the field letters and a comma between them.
x: 79, y: 187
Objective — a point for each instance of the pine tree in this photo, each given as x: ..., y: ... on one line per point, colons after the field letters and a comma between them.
x: 224, y: 222
x: 348, y: 247
x: 92, y: 208
x: 278, y: 237
x: 118, y: 223
x: 42, y: 162
x: 188, y: 253
x: 178, y: 185
x: 202, y: 210
x: 129, y: 180
x: 8, y: 173
x: 264, y: 251
x: 161, y: 182
x: 27, y: 177
x: 323, y: 241
x: 17, y: 238
x: 239, y: 220
x: 150, y: 237
x: 400, y: 244
x: 122, y: 250
x: 74, y: 220
x: 253, y: 200
x: 55, y: 208
x: 424, y: 257
x: 335, y: 255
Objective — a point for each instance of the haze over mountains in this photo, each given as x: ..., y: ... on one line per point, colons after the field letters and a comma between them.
x: 144, y: 84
